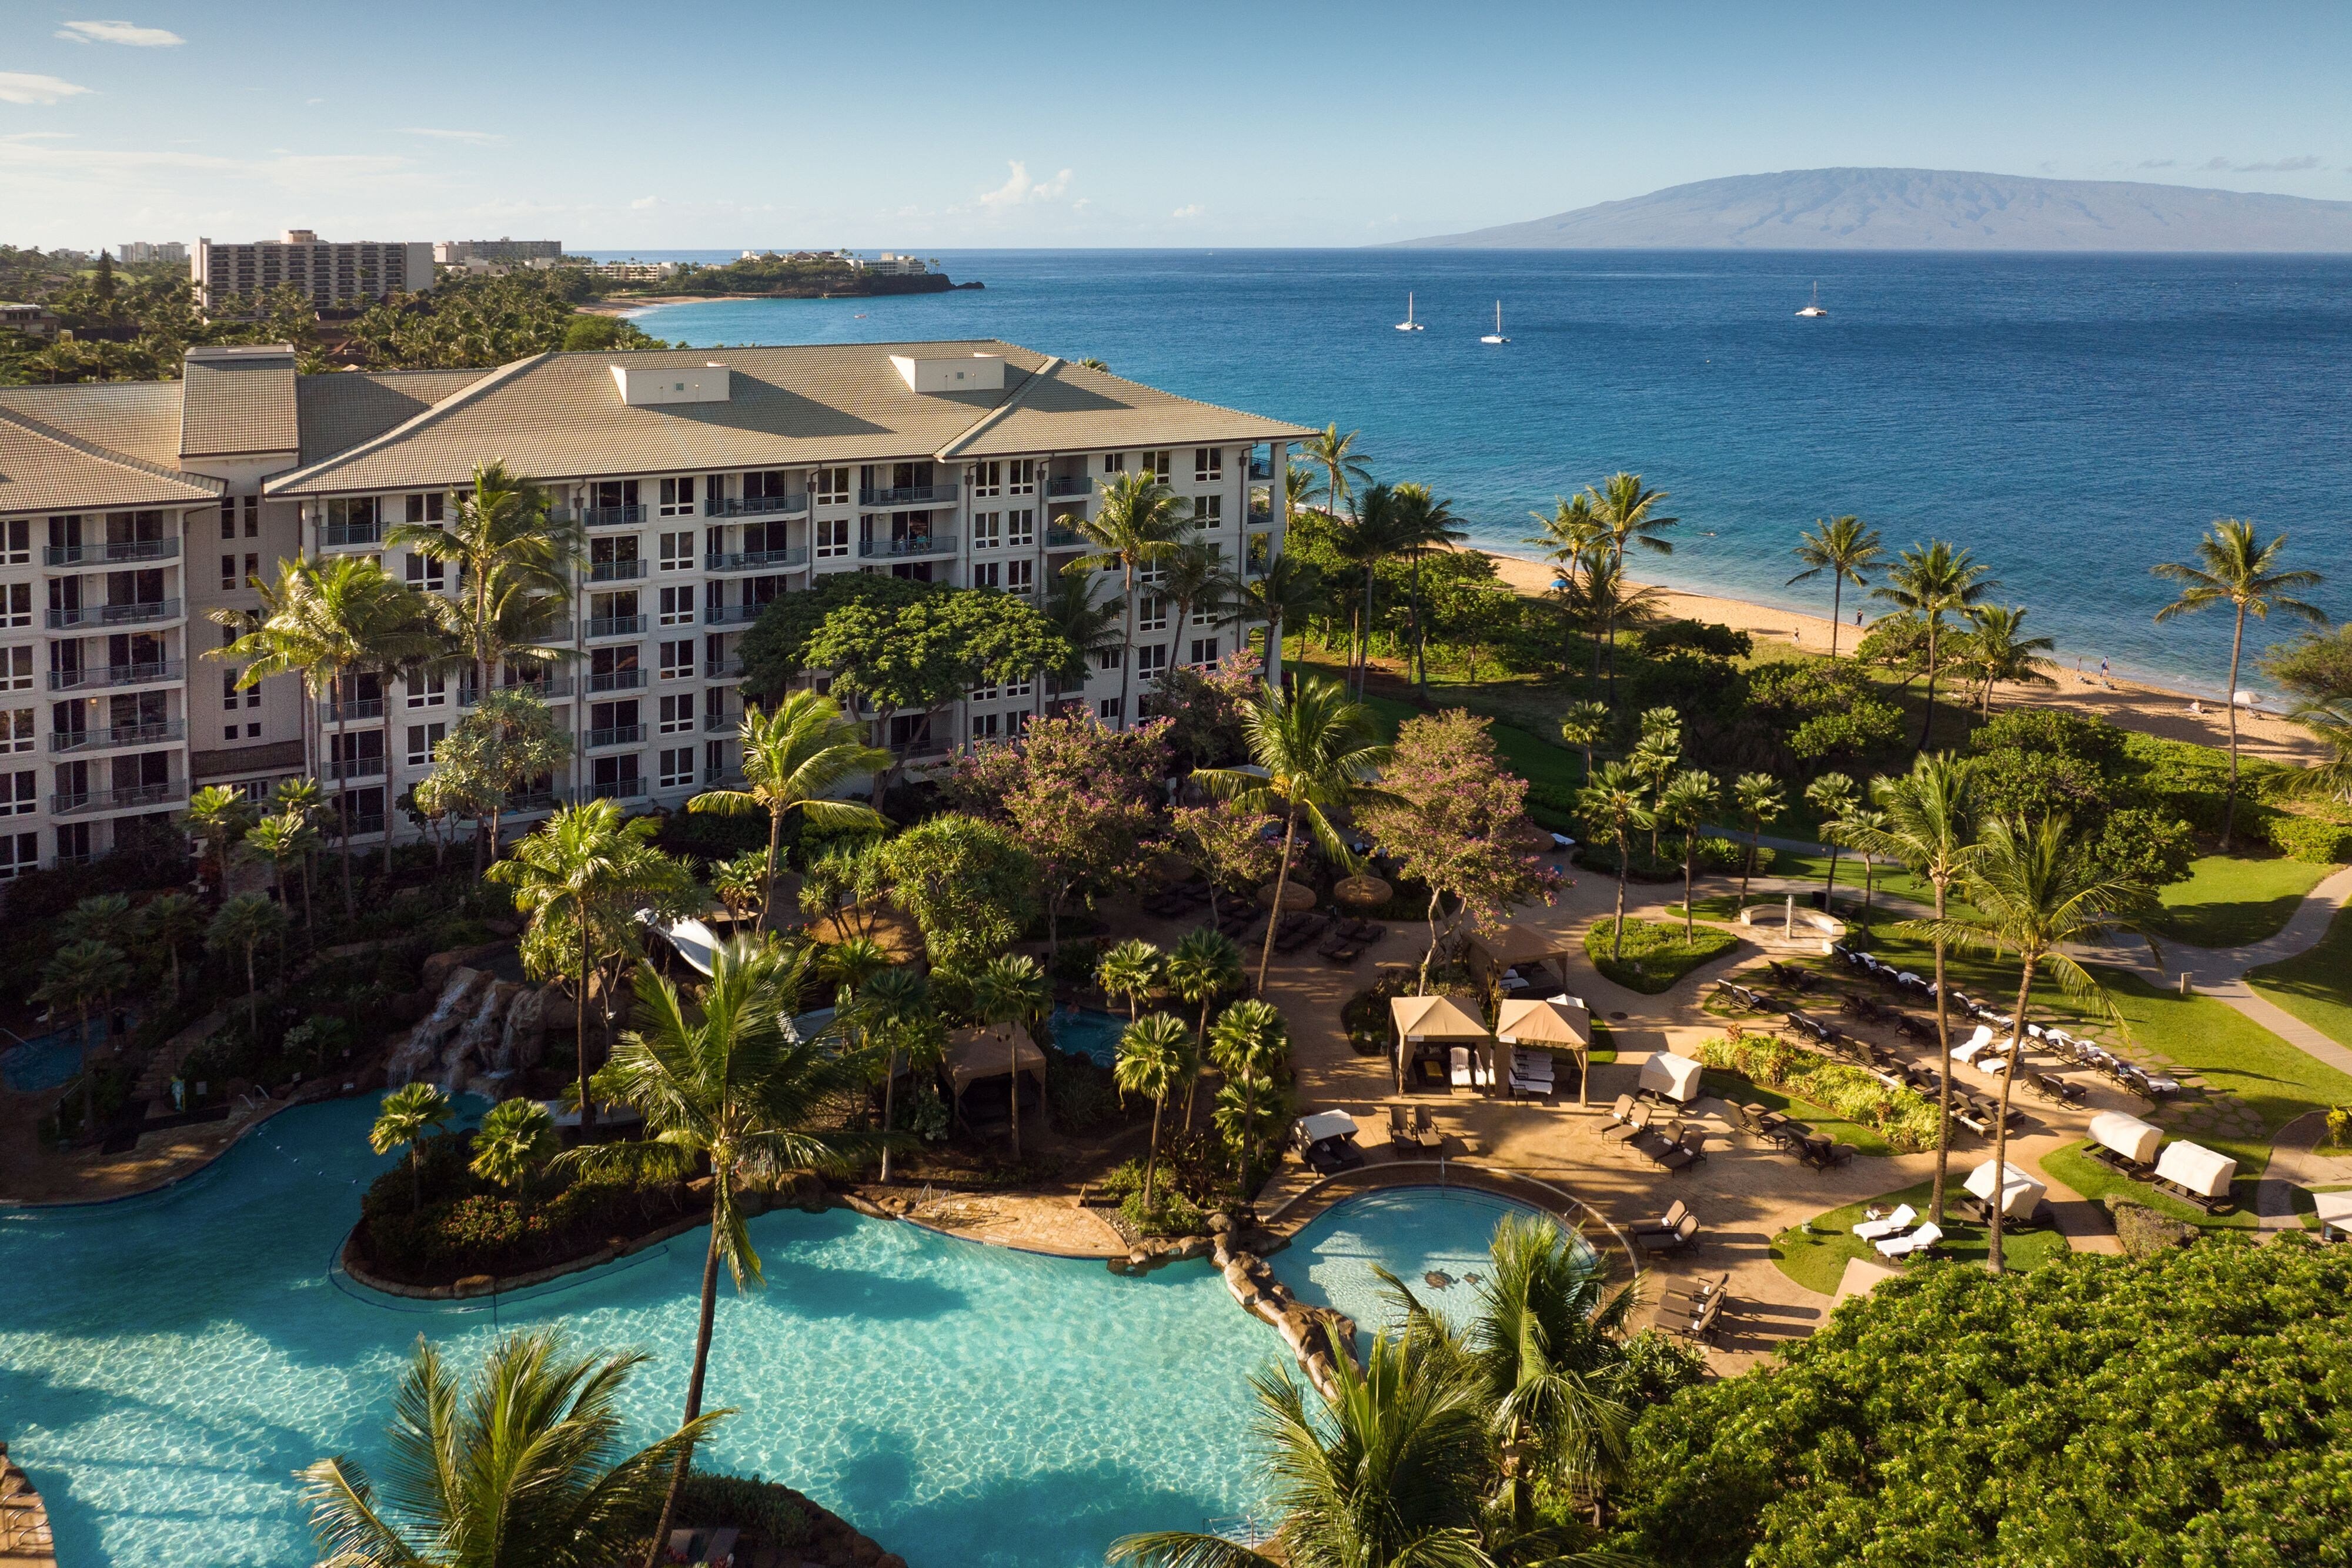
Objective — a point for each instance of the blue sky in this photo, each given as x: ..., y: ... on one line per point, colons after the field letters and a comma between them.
x: 957, y: 126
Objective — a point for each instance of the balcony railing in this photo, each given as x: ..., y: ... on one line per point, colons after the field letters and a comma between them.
x: 722, y: 723
x: 759, y: 507
x: 612, y: 516
x: 71, y: 804
x: 900, y: 549
x: 1064, y: 538
x: 617, y: 734
x: 615, y: 626
x: 115, y: 614
x: 1260, y: 516
x: 756, y: 560
x: 616, y: 680
x: 616, y: 570
x: 469, y: 694
x: 343, y: 536
x: 906, y: 494
x: 721, y: 777
x: 120, y: 735
x: 91, y: 676
x: 355, y: 766
x: 731, y: 614
x: 1070, y: 484
x: 332, y: 826
x: 358, y: 708
x: 725, y: 669
x: 629, y: 788
x: 110, y: 553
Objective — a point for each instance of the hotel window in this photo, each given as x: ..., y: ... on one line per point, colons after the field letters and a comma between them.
x: 228, y: 517
x: 426, y: 574
x: 676, y: 767
x: 1016, y: 688
x: 1208, y: 462
x: 252, y: 568
x: 987, y: 528
x: 1021, y: 528
x: 677, y: 714
x: 985, y: 727
x: 1157, y: 466
x: 986, y: 574
x: 1114, y: 461
x: 987, y: 479
x: 19, y: 852
x: 229, y: 573
x: 1108, y: 658
x: 985, y: 694
x: 16, y: 604
x: 1152, y: 614
x: 16, y: 669
x: 714, y: 493
x: 426, y: 508
x: 1205, y: 650
x: 677, y: 498
x: 677, y: 660
x: 831, y: 535
x: 1019, y: 576
x: 1021, y: 477
x: 677, y: 551
x: 1150, y: 659
x: 1107, y: 708
x: 422, y: 740
x: 230, y: 695
x: 16, y: 729
x: 829, y: 487
x: 18, y: 798
x: 1208, y: 511
x: 678, y: 606
x: 253, y: 516
x: 427, y: 691
x: 17, y: 549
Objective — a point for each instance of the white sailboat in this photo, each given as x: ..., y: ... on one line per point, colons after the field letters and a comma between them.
x: 1815, y: 307
x: 1496, y: 335
x: 1408, y: 324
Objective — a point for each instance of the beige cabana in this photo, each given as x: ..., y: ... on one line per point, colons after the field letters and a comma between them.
x: 1551, y: 1026
x: 1672, y: 1077
x: 1491, y: 952
x: 1431, y: 1021
x: 996, y: 1051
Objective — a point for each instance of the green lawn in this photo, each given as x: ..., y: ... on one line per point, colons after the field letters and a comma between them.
x: 1817, y: 1261
x: 1653, y: 957
x: 1537, y: 759
x: 1738, y: 1090
x: 2096, y: 1181
x: 2317, y: 985
x: 2229, y: 901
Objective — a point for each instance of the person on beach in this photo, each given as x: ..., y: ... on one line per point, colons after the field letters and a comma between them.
x: 2103, y: 682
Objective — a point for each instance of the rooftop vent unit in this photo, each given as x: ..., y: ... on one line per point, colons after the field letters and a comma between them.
x: 649, y: 386
x: 964, y: 373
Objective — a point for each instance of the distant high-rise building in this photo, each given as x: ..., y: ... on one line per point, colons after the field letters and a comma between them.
x: 143, y: 253
x: 334, y: 275
x: 458, y: 252
x: 889, y: 266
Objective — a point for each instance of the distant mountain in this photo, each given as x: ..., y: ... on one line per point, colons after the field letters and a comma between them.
x: 1927, y: 209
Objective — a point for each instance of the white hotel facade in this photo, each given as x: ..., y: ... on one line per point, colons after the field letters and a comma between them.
x: 708, y: 483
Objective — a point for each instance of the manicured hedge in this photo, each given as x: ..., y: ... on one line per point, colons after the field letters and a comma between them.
x: 1905, y: 1118
x: 2315, y: 840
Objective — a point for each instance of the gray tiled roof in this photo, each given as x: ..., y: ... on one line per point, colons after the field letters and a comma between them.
x: 238, y: 405
x: 561, y: 415
x: 139, y: 418
x: 340, y: 410
x: 42, y: 468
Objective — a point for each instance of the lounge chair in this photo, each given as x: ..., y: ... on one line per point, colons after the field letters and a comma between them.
x: 1459, y: 1073
x: 1917, y: 1244
x: 1531, y: 1072
x: 1630, y: 1127
x: 1673, y: 1241
x: 1622, y: 1109
x: 1400, y: 1130
x: 1655, y: 1139
x: 2052, y: 1087
x: 1702, y: 1323
x: 1685, y: 1153
x: 1674, y: 1215
x: 1974, y: 1046
x: 1876, y: 1231
x: 1426, y: 1130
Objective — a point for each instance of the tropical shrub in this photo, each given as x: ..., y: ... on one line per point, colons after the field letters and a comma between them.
x: 2313, y: 840
x: 1903, y: 1117
x: 778, y: 1515
x: 1080, y: 1090
x: 1700, y: 636
x: 1653, y: 957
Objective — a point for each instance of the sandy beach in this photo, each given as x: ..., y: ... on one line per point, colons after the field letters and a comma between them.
x: 2133, y: 705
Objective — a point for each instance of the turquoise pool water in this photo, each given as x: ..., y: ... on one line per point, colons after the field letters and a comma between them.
x: 166, y: 1364
x: 1085, y: 1032
x: 45, y: 1060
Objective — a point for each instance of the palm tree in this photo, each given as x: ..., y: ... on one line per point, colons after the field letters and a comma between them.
x: 1760, y: 800
x: 1344, y: 467
x: 2038, y: 893
x: 1246, y: 1104
x: 1205, y: 966
x: 170, y: 921
x: 1999, y: 650
x: 1862, y: 821
x: 528, y: 1471
x: 514, y: 560
x: 1582, y: 727
x: 240, y: 926
x: 1319, y: 751
x: 1154, y: 1056
x: 582, y: 865
x: 283, y: 842
x: 407, y: 1116
x: 1624, y: 511
x: 1573, y: 536
x: 1689, y: 798
x: 1656, y: 755
x: 100, y: 917
x: 893, y: 1009
x: 1607, y: 603
x: 219, y: 816
x: 1933, y: 580
x: 2236, y: 567
x: 723, y: 1086
x: 1424, y: 523
x: 1614, y: 798
x: 791, y: 757
x: 850, y: 963
x: 513, y: 1145
x: 1389, y: 1473
x: 1290, y: 588
x: 1131, y: 969
x: 1011, y: 991
x: 80, y: 975
x: 2329, y: 720
x: 1831, y: 795
x: 1138, y: 524
x: 1374, y: 532
x: 1249, y: 1043
x: 1846, y: 549
x: 1090, y: 629
x: 1196, y: 579
x: 300, y: 796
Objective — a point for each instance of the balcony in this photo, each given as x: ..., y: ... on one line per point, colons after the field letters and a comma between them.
x: 757, y: 560
x: 1261, y: 468
x: 115, y: 614
x: 612, y: 516
x: 618, y: 735
x: 722, y: 723
x: 90, y: 676
x: 1261, y: 516
x: 88, y: 801
x: 721, y: 778
x: 113, y: 552
x: 731, y: 614
x: 469, y: 694
x: 616, y: 680
x: 908, y: 495
x: 355, y: 766
x: 630, y: 788
x: 616, y: 570
x: 350, y: 536
x: 726, y: 669
x: 332, y: 826
x: 759, y: 507
x: 120, y: 735
x: 601, y: 626
x: 907, y: 548
x: 358, y: 708
x: 1069, y: 485
x: 1064, y: 538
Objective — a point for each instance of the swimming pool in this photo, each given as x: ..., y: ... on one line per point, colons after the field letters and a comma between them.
x: 167, y: 1363
x: 1085, y: 1032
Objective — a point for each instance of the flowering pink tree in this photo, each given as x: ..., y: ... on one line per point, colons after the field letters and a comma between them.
x: 1204, y: 709
x: 1081, y: 798
x: 1229, y: 844
x: 1454, y: 801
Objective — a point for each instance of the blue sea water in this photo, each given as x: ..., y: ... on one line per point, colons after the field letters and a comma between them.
x: 2073, y: 419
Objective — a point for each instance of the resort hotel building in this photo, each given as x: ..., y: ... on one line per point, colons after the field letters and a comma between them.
x: 708, y: 483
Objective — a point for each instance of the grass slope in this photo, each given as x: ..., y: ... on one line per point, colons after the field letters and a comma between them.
x: 1818, y: 1262
x: 1652, y: 958
x: 2229, y: 901
x: 2317, y: 985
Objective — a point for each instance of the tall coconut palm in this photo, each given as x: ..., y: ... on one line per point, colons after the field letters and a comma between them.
x: 1154, y: 1056
x: 1614, y: 801
x: 1130, y: 970
x: 170, y: 921
x: 1012, y: 989
x: 1289, y: 589
x: 1424, y: 523
x: 1195, y: 579
x: 1387, y: 1472
x: 1248, y: 1104
x: 1090, y: 628
x: 1608, y: 602
x: 82, y: 975
x: 723, y: 1086
x: 284, y: 842
x: 1761, y: 799
x: 529, y: 1470
x: 1926, y: 826
x: 1833, y: 795
x: 1138, y: 523
x: 894, y: 1013
x: 1932, y: 581
x: 1625, y: 512
x: 2037, y: 893
x: 300, y: 796
x: 1205, y: 966
x: 1344, y: 467
x: 1689, y: 799
x: 1374, y: 532
x: 2000, y: 650
x: 1319, y: 752
x: 791, y: 759
x: 1570, y: 533
x: 1845, y: 547
x: 1862, y: 821
x: 1584, y: 725
x: 2235, y: 566
x: 514, y: 561
x: 1654, y: 758
x: 240, y: 926
x: 410, y: 1114
x: 1250, y: 1045
x: 218, y: 816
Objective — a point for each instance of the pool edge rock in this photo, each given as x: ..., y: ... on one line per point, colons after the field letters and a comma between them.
x: 1314, y: 1334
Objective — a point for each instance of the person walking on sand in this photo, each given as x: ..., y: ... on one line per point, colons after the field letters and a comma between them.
x: 2103, y: 682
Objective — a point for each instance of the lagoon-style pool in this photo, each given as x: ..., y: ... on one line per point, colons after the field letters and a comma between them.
x: 167, y: 1363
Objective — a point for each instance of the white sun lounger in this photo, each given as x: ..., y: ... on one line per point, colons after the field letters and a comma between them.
x: 1976, y: 1044
x: 1902, y: 1219
x: 1919, y: 1240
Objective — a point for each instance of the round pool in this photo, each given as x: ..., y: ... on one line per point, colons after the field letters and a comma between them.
x: 1088, y: 1032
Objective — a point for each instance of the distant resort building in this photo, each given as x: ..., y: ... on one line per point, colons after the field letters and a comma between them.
x: 500, y: 252
x: 633, y: 271
x: 888, y: 265
x: 708, y: 483
x: 32, y: 320
x: 145, y: 253
x: 335, y: 275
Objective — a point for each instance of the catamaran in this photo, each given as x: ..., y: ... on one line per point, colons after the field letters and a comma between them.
x: 1496, y: 335
x: 1815, y: 307
x: 1408, y: 324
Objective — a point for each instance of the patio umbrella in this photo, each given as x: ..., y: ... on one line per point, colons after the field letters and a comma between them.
x: 1365, y: 890
x: 1294, y: 896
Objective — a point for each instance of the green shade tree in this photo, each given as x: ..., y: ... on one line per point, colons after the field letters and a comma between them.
x: 410, y: 1114
x: 82, y: 975
x: 1931, y: 582
x: 239, y: 926
x: 792, y: 758
x: 491, y: 755
x: 1845, y: 547
x: 1154, y: 1056
x: 967, y: 883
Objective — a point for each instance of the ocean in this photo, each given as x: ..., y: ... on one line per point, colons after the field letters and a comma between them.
x: 2071, y: 419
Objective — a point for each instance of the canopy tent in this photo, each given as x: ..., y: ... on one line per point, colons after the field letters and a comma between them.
x: 2129, y: 1136
x: 691, y: 939
x: 2196, y: 1168
x: 1565, y: 1026
x: 1491, y: 952
x: 2019, y: 1193
x: 1324, y: 1124
x: 1430, y: 1020
x: 1676, y: 1077
x: 2335, y: 1212
x: 995, y: 1050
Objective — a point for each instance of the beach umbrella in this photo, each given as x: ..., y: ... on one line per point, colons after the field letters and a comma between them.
x: 1365, y: 891
x: 1294, y: 897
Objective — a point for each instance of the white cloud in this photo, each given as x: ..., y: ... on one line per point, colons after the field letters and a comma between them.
x: 2276, y: 166
x: 438, y: 133
x: 25, y: 87
x: 1189, y: 210
x: 644, y: 203
x: 1019, y: 188
x: 130, y: 32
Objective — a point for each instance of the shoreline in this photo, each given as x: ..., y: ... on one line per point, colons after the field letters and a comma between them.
x: 2131, y: 702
